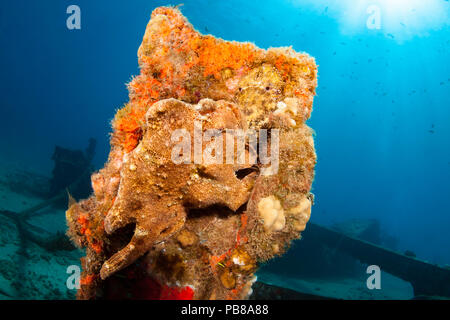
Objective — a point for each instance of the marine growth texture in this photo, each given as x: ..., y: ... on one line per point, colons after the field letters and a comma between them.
x: 154, y: 229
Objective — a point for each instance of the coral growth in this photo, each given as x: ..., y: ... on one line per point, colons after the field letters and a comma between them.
x: 197, y: 230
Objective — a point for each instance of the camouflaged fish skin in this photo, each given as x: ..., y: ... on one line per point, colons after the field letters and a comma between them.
x: 155, y: 193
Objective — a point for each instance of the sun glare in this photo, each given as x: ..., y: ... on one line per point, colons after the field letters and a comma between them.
x: 400, y: 19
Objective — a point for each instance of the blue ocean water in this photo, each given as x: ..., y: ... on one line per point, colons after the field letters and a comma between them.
x: 381, y: 114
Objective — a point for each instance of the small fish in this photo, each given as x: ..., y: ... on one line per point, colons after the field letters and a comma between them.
x: 390, y: 35
x: 431, y: 131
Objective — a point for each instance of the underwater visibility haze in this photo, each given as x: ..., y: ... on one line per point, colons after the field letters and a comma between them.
x: 370, y: 78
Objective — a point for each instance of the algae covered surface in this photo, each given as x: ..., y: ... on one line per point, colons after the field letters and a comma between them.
x: 189, y: 80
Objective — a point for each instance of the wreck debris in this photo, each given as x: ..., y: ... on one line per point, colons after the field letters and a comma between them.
x: 69, y: 166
